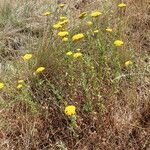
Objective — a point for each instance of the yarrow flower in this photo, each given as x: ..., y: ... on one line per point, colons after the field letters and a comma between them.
x: 96, y: 31
x: 57, y: 26
x: 63, y: 22
x: 122, y: 5
x: 118, y: 43
x: 1, y: 85
x: 63, y: 18
x: 70, y: 110
x: 129, y: 62
x: 96, y: 14
x: 65, y: 39
x: 61, y: 5
x: 83, y: 15
x: 78, y: 36
x: 40, y: 70
x: 89, y: 23
x: 20, y: 81
x: 19, y: 86
x: 78, y: 54
x: 63, y: 33
x: 27, y: 56
x: 109, y: 30
x: 69, y: 53
x: 46, y: 13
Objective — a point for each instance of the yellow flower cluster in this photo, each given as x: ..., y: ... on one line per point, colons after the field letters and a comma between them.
x: 96, y: 31
x: 20, y: 84
x: 47, y: 13
x: 65, y: 39
x: 78, y: 36
x: 122, y: 5
x: 57, y: 26
x: 78, y: 54
x: 96, y: 14
x: 40, y: 70
x: 70, y: 110
x: 27, y: 56
x: 83, y: 15
x: 63, y: 33
x: 1, y: 85
x: 75, y: 55
x: 109, y: 30
x: 89, y: 23
x: 61, y: 5
x: 129, y: 62
x: 118, y: 43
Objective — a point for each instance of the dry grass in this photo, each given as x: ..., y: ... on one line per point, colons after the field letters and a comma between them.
x: 112, y: 101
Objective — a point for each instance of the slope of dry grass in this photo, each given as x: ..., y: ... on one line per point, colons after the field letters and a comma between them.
x: 112, y: 100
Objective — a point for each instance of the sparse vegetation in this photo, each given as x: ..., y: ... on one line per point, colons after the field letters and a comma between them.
x: 74, y: 75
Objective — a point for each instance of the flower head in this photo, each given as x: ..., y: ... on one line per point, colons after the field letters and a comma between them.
x: 1, y: 85
x: 63, y: 22
x: 77, y: 54
x: 70, y: 110
x: 63, y: 33
x: 61, y: 5
x: 63, y: 18
x: 89, y: 23
x: 122, y: 5
x: 109, y: 30
x: 129, y: 62
x: 78, y: 36
x: 65, y: 39
x: 83, y: 15
x: 118, y: 43
x: 96, y: 31
x: 46, y: 13
x: 40, y: 69
x: 27, y: 56
x: 69, y: 53
x: 96, y: 14
x: 19, y: 86
x: 20, y: 81
x: 57, y: 26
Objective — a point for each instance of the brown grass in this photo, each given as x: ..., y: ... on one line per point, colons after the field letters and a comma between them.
x: 120, y: 118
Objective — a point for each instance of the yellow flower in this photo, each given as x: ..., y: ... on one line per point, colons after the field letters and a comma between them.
x: 78, y: 54
x: 57, y: 26
x: 70, y: 110
x: 109, y: 30
x: 122, y: 5
x: 19, y: 86
x: 1, y: 85
x: 78, y: 49
x: 96, y: 31
x: 63, y: 18
x: 20, y: 81
x: 69, y: 53
x: 61, y: 5
x: 46, y: 13
x: 65, y: 39
x: 118, y: 43
x: 27, y: 56
x: 90, y: 23
x: 40, y: 69
x: 129, y: 62
x: 63, y: 22
x: 83, y: 15
x: 78, y: 36
x: 63, y: 33
x: 96, y: 14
